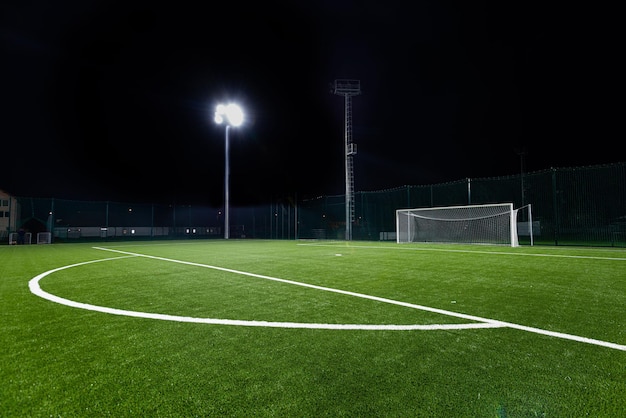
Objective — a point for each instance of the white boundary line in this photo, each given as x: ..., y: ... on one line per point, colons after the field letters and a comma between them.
x: 481, y: 322
x: 450, y: 250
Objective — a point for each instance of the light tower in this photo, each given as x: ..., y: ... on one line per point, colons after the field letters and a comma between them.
x: 347, y: 89
x: 233, y: 116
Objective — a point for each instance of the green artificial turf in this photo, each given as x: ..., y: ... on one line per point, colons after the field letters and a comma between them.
x: 57, y: 360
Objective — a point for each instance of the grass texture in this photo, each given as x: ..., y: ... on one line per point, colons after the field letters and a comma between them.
x: 59, y: 360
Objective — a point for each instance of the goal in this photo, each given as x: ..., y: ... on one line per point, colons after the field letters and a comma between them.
x: 44, y: 238
x: 474, y: 224
x: 14, y: 238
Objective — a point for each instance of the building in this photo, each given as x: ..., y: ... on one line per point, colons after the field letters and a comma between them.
x: 9, y: 212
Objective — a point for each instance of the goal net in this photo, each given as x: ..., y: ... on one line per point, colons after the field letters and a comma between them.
x: 477, y: 224
x: 44, y: 238
x: 14, y: 238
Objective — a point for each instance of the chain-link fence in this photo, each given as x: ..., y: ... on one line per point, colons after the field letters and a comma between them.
x: 73, y: 220
x: 570, y: 206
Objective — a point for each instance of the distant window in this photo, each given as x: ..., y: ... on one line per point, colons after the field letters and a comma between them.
x: 4, y: 202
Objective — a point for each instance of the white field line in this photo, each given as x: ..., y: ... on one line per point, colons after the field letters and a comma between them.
x: 482, y: 322
x: 36, y: 289
x: 450, y: 250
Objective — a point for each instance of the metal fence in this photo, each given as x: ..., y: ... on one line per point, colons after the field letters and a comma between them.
x: 570, y: 206
x: 73, y: 220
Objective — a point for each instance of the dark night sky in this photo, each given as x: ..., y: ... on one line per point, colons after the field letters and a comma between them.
x: 111, y: 100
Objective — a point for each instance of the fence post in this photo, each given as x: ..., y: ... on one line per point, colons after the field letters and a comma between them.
x: 556, y: 210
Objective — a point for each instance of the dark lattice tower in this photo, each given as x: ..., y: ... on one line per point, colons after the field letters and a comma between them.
x: 347, y: 89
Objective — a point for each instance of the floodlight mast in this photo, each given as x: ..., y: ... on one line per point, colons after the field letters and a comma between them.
x: 233, y: 116
x: 347, y: 89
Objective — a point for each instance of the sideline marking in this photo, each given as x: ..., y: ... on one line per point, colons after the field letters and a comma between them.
x: 450, y: 250
x: 482, y: 322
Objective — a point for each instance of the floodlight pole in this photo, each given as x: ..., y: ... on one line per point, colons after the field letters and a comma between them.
x: 226, y: 186
x: 233, y: 115
x: 347, y: 89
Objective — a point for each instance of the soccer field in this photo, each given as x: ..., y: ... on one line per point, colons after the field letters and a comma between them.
x: 311, y: 328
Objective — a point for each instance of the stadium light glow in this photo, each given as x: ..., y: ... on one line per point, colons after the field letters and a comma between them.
x: 233, y: 116
x: 232, y: 113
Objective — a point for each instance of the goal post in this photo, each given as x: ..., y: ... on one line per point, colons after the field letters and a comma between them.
x: 473, y: 224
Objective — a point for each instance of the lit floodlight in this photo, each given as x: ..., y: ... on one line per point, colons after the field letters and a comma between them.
x: 233, y: 113
x: 234, y: 117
